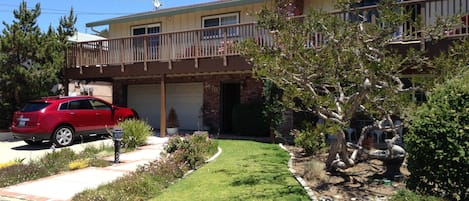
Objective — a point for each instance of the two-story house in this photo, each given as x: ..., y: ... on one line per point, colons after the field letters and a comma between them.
x: 183, y: 57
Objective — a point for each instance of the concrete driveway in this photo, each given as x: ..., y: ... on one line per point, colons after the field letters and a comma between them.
x: 12, y: 149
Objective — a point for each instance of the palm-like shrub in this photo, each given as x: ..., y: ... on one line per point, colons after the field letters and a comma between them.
x: 135, y: 132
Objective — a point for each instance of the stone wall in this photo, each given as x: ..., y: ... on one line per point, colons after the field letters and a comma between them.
x: 251, y: 91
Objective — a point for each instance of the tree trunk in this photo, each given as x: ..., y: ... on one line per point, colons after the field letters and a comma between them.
x: 338, y: 155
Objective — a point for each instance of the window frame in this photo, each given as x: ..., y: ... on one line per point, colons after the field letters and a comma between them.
x: 210, y: 35
x: 146, y: 26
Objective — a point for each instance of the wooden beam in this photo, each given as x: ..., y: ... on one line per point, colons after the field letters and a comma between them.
x: 145, y: 49
x: 163, y: 106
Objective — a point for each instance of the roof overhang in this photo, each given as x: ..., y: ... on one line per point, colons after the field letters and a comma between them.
x: 174, y: 11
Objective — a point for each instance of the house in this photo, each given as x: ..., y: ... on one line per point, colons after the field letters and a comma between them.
x: 183, y: 57
x: 101, y: 89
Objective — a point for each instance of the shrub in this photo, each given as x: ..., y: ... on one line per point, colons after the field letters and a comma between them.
x: 136, y: 132
x: 19, y: 173
x: 437, y: 143
x: 8, y: 164
x: 315, y: 170
x: 193, y: 149
x: 173, y: 121
x: 79, y: 164
x: 57, y: 161
x: 310, y: 138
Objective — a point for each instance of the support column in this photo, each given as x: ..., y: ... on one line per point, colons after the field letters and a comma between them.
x: 163, y: 107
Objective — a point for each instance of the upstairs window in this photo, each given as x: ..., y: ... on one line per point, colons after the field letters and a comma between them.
x: 146, y: 29
x: 220, y: 20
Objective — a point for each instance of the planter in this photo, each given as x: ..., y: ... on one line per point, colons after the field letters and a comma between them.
x: 172, y: 131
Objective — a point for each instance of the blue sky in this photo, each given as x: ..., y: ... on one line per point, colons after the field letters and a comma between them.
x: 86, y: 10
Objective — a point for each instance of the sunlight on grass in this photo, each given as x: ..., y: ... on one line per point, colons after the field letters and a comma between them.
x: 244, y: 171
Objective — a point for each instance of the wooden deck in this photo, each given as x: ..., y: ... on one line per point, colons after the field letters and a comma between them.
x: 195, y: 47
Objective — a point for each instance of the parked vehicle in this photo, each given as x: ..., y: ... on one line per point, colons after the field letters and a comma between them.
x: 61, y: 119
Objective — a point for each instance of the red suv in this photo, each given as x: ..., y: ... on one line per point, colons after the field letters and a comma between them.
x: 61, y: 119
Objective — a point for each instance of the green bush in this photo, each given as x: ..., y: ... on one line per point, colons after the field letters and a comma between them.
x: 136, y: 132
x: 438, y: 144
x: 194, y: 149
x: 310, y: 138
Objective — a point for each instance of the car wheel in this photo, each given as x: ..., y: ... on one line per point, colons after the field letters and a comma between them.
x: 62, y: 136
x: 33, y: 143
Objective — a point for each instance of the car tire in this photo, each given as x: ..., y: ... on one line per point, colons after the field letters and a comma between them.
x: 63, y: 136
x: 33, y: 143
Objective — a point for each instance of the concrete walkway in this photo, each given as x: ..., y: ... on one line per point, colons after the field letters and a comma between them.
x: 64, y: 186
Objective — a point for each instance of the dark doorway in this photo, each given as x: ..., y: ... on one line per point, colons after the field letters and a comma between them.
x: 230, y: 97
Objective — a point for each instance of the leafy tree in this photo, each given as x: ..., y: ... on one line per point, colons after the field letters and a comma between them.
x: 30, y: 60
x: 337, y: 64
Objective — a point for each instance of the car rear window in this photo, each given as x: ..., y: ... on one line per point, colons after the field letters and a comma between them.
x: 34, y: 106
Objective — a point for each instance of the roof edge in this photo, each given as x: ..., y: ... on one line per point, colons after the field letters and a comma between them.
x: 173, y: 11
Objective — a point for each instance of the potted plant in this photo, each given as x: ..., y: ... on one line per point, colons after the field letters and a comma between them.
x: 172, y: 122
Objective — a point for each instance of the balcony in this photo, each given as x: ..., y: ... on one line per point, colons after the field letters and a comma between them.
x: 192, y: 49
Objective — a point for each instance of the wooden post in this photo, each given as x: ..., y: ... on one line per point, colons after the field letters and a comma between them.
x: 163, y: 107
x: 424, y: 21
x: 145, y: 50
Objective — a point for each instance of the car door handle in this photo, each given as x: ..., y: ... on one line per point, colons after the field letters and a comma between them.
x: 98, y: 114
x: 72, y: 113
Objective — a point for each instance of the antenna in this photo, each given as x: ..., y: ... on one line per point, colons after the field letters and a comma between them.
x: 157, y: 4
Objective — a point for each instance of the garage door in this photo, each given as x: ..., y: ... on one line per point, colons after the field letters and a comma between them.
x: 185, y: 98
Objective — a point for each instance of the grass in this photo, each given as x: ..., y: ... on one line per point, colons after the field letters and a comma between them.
x: 151, y: 179
x: 244, y: 171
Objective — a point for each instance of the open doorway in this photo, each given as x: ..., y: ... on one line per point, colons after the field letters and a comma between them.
x: 230, y: 97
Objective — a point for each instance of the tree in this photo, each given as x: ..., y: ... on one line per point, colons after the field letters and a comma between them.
x: 30, y: 60
x: 334, y: 65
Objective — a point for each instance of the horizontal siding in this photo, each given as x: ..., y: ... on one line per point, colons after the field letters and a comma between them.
x: 187, y: 21
x: 325, y: 5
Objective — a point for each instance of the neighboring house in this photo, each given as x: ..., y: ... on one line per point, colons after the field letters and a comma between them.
x: 184, y: 58
x: 99, y: 89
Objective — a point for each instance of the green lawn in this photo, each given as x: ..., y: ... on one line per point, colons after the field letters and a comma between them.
x: 244, y: 171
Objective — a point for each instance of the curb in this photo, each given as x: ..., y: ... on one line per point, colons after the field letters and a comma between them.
x: 298, y: 178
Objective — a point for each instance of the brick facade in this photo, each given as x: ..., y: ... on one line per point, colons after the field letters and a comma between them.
x: 250, y: 91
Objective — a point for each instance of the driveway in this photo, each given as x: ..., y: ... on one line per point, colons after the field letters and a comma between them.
x: 12, y: 149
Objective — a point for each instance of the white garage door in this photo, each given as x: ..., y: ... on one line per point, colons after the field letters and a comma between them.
x: 185, y: 98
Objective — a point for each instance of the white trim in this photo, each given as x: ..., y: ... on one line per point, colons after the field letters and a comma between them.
x: 219, y: 17
x: 146, y: 26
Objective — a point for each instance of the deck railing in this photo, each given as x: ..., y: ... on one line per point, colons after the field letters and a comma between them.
x: 192, y: 44
x: 219, y: 41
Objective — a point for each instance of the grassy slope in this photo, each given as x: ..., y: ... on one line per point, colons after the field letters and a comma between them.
x: 244, y: 171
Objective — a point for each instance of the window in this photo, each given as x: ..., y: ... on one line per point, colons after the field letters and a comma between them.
x: 99, y: 105
x: 418, y: 95
x: 146, y: 29
x: 152, y: 42
x: 63, y: 106
x: 80, y: 105
x: 34, y: 106
x: 220, y: 20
